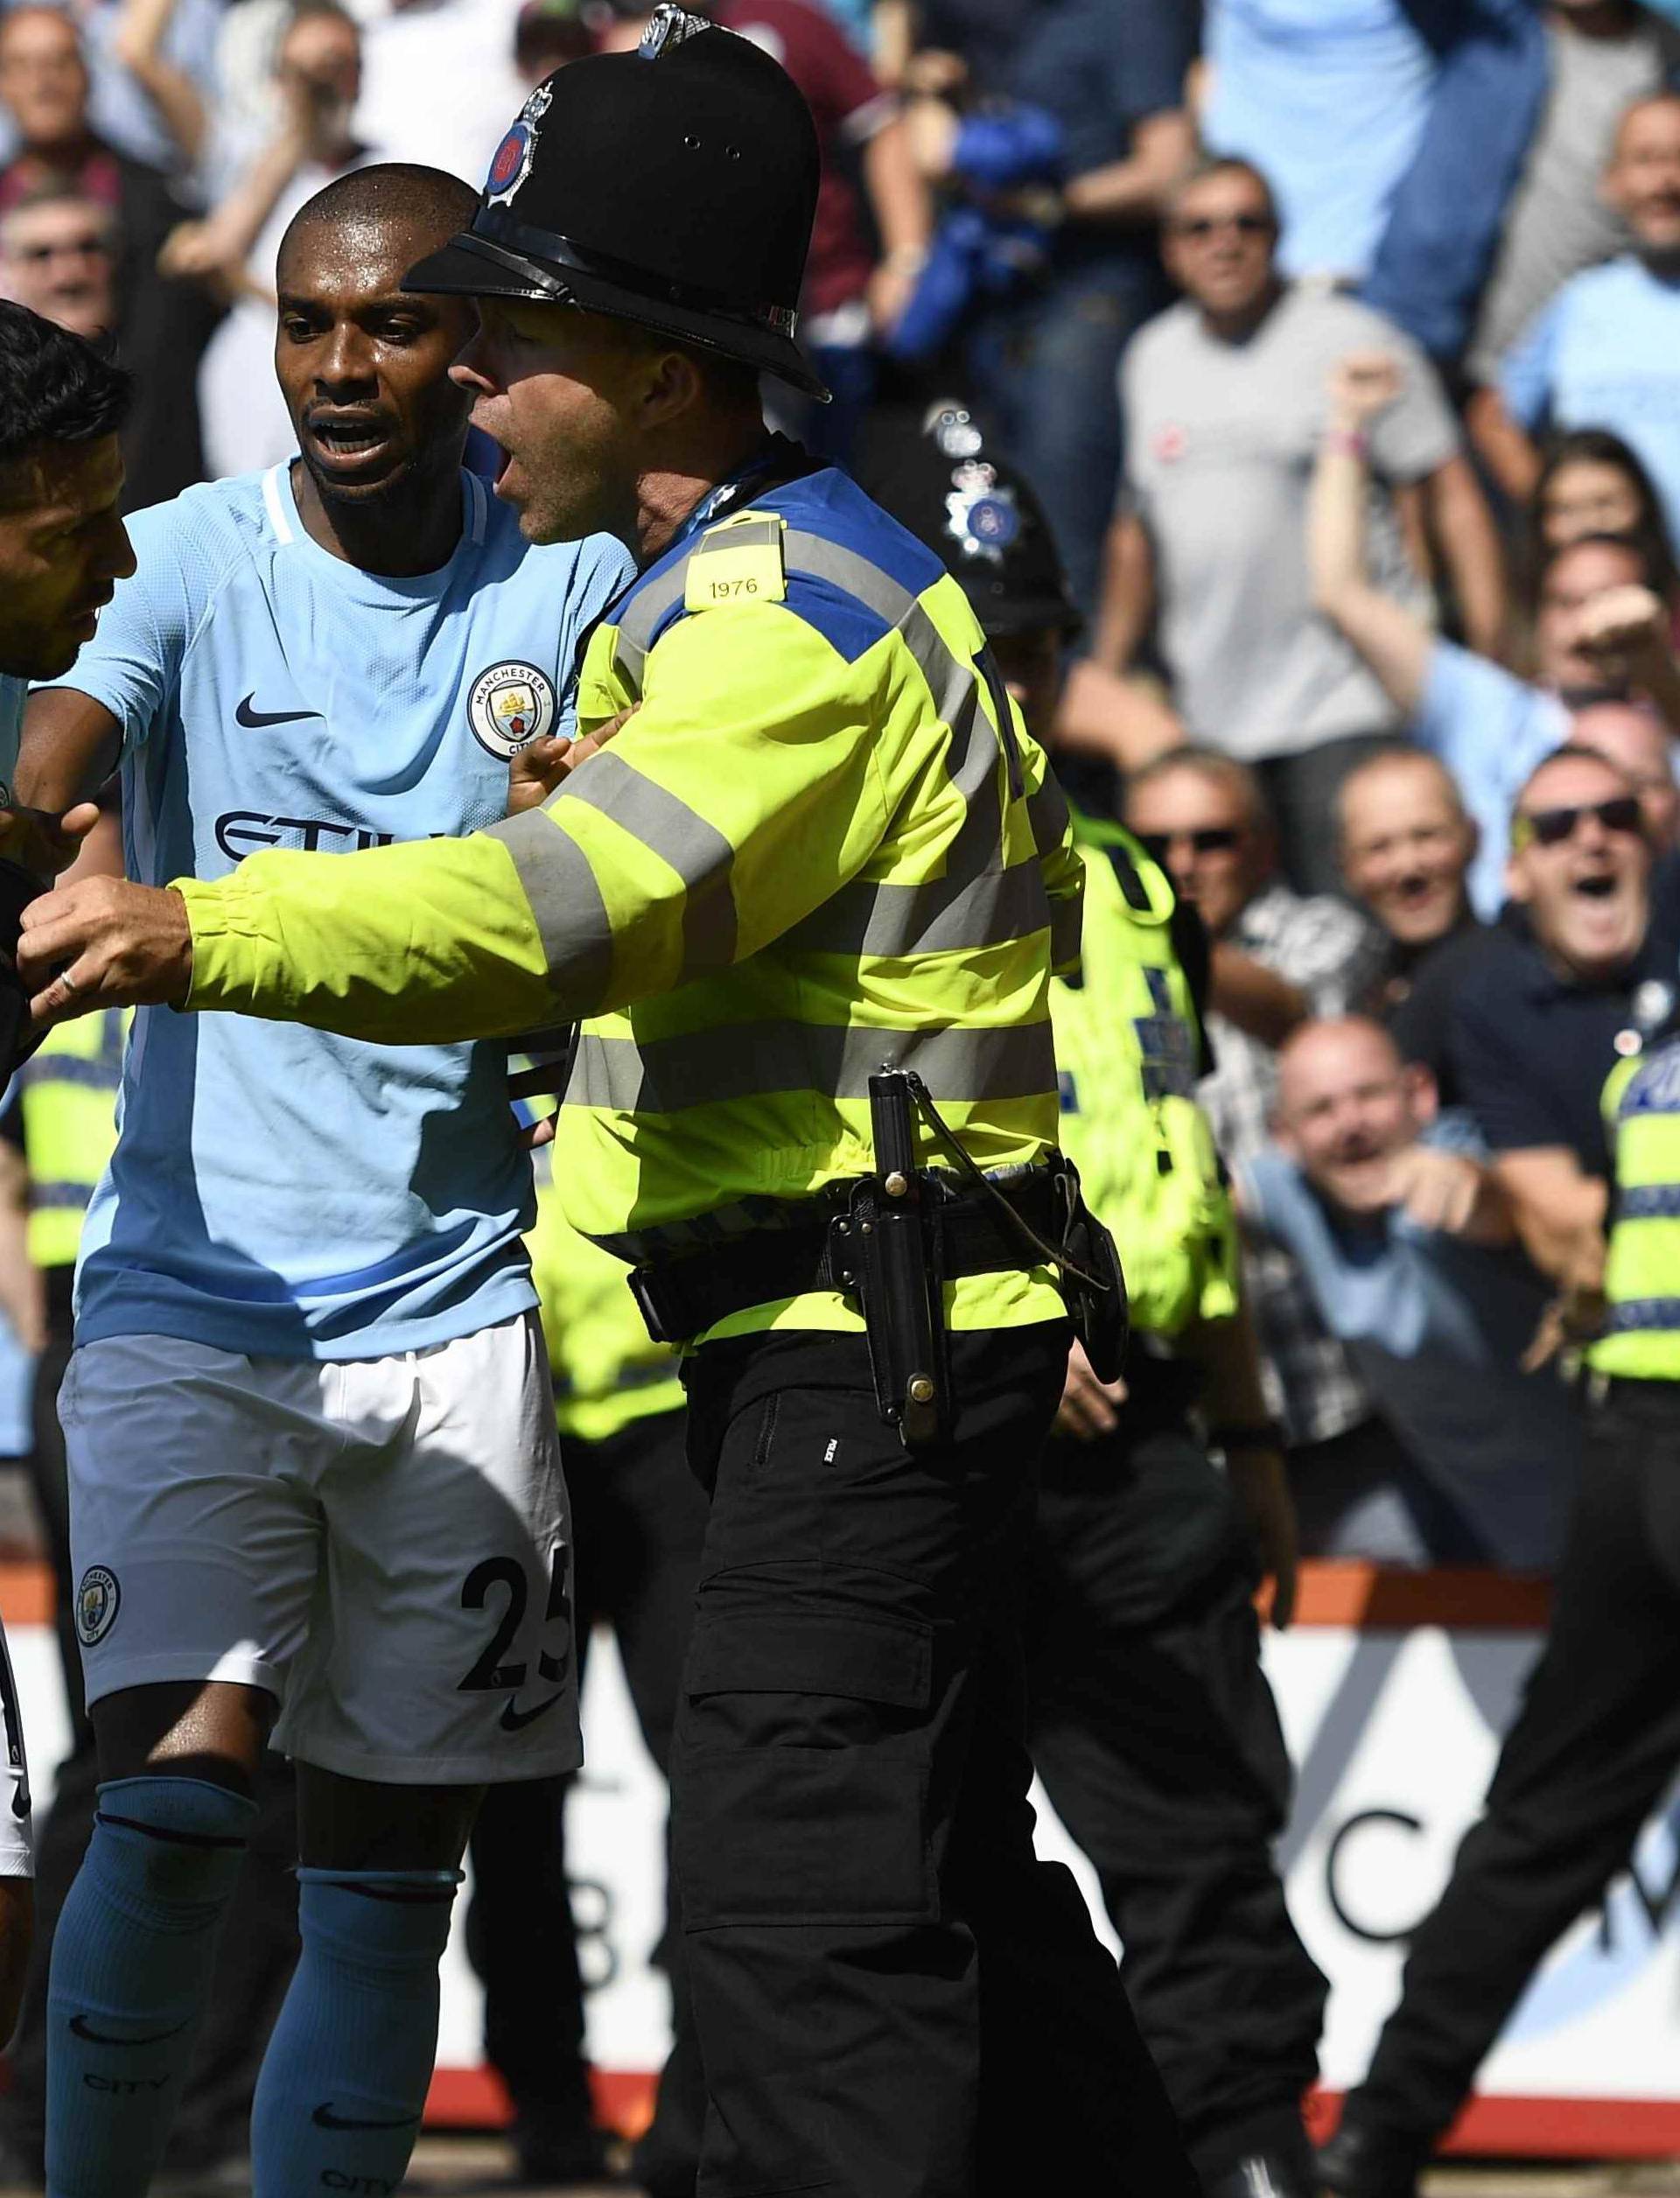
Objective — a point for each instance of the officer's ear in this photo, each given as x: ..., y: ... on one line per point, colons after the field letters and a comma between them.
x: 669, y: 386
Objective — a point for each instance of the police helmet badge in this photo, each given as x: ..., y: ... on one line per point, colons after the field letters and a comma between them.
x: 509, y: 706
x: 511, y: 162
x: 97, y: 1599
x: 983, y: 517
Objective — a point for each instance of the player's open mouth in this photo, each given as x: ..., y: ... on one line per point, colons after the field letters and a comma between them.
x: 348, y: 438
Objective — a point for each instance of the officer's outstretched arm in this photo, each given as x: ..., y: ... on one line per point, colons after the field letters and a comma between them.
x: 748, y: 789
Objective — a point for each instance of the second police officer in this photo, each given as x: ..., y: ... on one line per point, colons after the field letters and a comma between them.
x: 1151, y: 1721
x: 822, y: 857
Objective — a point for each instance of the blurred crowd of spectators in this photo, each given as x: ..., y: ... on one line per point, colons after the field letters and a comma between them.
x: 1341, y: 341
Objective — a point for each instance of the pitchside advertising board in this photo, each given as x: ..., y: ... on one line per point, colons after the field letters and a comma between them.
x: 1393, y: 1689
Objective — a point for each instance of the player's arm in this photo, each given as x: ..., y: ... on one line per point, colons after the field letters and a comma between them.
x: 71, y: 746
x: 746, y: 791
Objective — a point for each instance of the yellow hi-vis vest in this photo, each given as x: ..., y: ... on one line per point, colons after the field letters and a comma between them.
x: 823, y: 843
x: 607, y: 1372
x: 67, y: 1093
x: 1128, y: 1048
x: 1641, y: 1276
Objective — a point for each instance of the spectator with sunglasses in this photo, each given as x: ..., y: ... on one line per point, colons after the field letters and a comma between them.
x: 1600, y: 630
x: 1223, y: 401
x: 1534, y: 1028
x: 1276, y: 959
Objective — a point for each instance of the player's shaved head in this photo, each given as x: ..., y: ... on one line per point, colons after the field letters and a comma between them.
x: 365, y: 365
x: 363, y: 210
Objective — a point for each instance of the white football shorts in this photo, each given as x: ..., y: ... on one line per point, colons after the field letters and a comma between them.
x: 384, y: 1544
x: 17, y: 1828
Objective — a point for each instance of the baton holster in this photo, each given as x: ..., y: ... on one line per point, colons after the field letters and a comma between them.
x: 882, y: 1248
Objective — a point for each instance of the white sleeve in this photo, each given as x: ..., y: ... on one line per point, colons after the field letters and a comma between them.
x: 16, y: 1831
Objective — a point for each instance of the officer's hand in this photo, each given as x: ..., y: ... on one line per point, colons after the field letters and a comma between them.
x: 103, y: 942
x: 541, y: 765
x: 43, y: 843
x: 1262, y: 1489
x: 1088, y: 1408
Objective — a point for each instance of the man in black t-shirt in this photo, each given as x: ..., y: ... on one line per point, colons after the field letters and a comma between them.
x: 1532, y: 1030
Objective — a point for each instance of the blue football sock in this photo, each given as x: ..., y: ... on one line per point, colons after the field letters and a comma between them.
x: 131, y: 1963
x: 343, y: 2081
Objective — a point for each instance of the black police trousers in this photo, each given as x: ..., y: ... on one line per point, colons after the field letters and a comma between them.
x: 1594, y: 1745
x: 894, y: 1997
x: 1157, y: 1737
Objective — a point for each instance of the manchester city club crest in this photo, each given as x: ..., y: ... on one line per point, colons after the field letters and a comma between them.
x: 509, y: 706
x: 511, y: 162
x: 97, y: 1599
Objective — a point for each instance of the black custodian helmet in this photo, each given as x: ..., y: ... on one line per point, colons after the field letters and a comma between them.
x: 674, y: 187
x: 978, y: 513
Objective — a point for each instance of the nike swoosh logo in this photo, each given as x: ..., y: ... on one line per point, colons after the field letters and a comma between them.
x: 81, y: 2028
x: 513, y: 1720
x: 251, y: 719
x: 325, y: 2119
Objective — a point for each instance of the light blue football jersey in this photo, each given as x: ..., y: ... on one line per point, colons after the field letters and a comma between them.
x: 276, y: 1190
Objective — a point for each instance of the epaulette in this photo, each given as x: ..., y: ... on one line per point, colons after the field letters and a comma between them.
x: 738, y: 560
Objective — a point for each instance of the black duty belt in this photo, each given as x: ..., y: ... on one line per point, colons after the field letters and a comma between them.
x: 683, y: 1297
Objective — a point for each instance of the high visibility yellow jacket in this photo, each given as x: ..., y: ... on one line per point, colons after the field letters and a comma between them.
x: 68, y: 1093
x: 607, y: 1373
x: 823, y: 843
x: 1129, y: 1051
x: 1642, y: 1279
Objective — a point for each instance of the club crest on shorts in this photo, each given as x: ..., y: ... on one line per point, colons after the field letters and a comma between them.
x: 97, y: 1600
x: 511, y: 162
x: 509, y: 706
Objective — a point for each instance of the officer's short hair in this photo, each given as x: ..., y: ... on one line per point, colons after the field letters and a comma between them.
x: 55, y: 389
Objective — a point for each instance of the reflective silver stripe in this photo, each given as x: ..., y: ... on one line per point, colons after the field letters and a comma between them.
x: 1649, y: 1202
x: 101, y: 1072
x: 943, y: 917
x: 978, y: 902
x: 1642, y: 1315
x: 699, y: 854
x: 747, y: 1060
x: 566, y: 905
x: 641, y: 615
x: 59, y: 1198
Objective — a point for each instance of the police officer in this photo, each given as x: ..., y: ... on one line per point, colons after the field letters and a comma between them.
x: 821, y: 854
x: 1597, y: 1742
x: 1152, y: 1723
